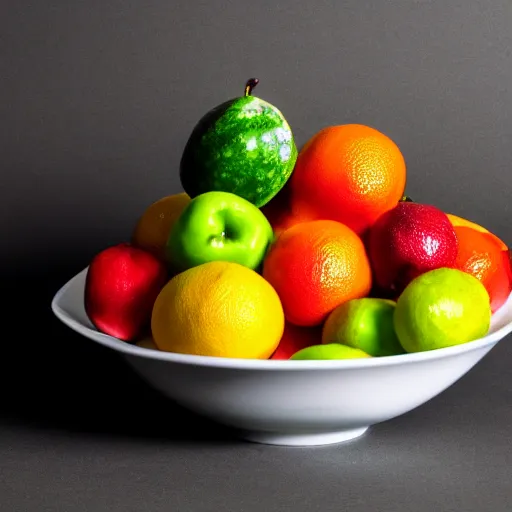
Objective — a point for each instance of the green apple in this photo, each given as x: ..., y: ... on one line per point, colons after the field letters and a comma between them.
x: 219, y: 226
x: 365, y: 323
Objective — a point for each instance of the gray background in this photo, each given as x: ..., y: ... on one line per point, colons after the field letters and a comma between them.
x: 97, y: 99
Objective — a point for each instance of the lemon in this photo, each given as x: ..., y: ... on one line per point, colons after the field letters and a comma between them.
x: 442, y: 308
x: 218, y: 309
x: 154, y: 225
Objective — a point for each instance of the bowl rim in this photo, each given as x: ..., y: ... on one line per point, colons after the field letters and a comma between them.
x: 129, y: 349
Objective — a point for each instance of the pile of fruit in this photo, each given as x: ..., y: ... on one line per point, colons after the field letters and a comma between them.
x: 275, y: 253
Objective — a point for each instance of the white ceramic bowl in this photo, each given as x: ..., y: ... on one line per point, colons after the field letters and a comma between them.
x: 295, y: 403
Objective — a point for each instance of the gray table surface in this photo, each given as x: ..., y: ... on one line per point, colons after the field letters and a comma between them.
x: 97, y: 100
x: 114, y: 445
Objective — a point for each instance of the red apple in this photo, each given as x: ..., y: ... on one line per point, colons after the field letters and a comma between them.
x: 407, y: 241
x: 121, y: 287
x: 296, y: 338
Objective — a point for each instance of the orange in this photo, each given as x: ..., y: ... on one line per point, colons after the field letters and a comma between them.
x: 153, y: 227
x: 316, y: 266
x: 459, y: 221
x: 481, y: 254
x: 218, y: 309
x: 349, y: 173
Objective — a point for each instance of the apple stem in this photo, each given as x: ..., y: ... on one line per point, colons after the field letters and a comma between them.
x: 250, y: 85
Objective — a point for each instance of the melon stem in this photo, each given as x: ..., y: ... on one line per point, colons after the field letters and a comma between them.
x: 250, y: 85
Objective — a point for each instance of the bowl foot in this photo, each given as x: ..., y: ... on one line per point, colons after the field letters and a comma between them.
x: 302, y: 439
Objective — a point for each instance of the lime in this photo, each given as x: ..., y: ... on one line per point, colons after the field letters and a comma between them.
x: 330, y: 351
x: 442, y: 308
x: 366, y: 324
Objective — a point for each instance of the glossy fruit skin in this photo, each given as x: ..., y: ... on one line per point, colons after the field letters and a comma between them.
x: 459, y: 221
x: 122, y: 284
x: 330, y: 351
x: 218, y: 309
x: 366, y: 324
x: 296, y: 338
x: 315, y: 267
x: 481, y: 255
x: 407, y: 241
x: 348, y: 173
x: 243, y: 146
x: 153, y: 227
x: 442, y: 308
x: 219, y: 226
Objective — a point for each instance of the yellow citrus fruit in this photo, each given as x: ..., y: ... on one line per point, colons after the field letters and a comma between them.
x: 218, y: 309
x: 153, y: 227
